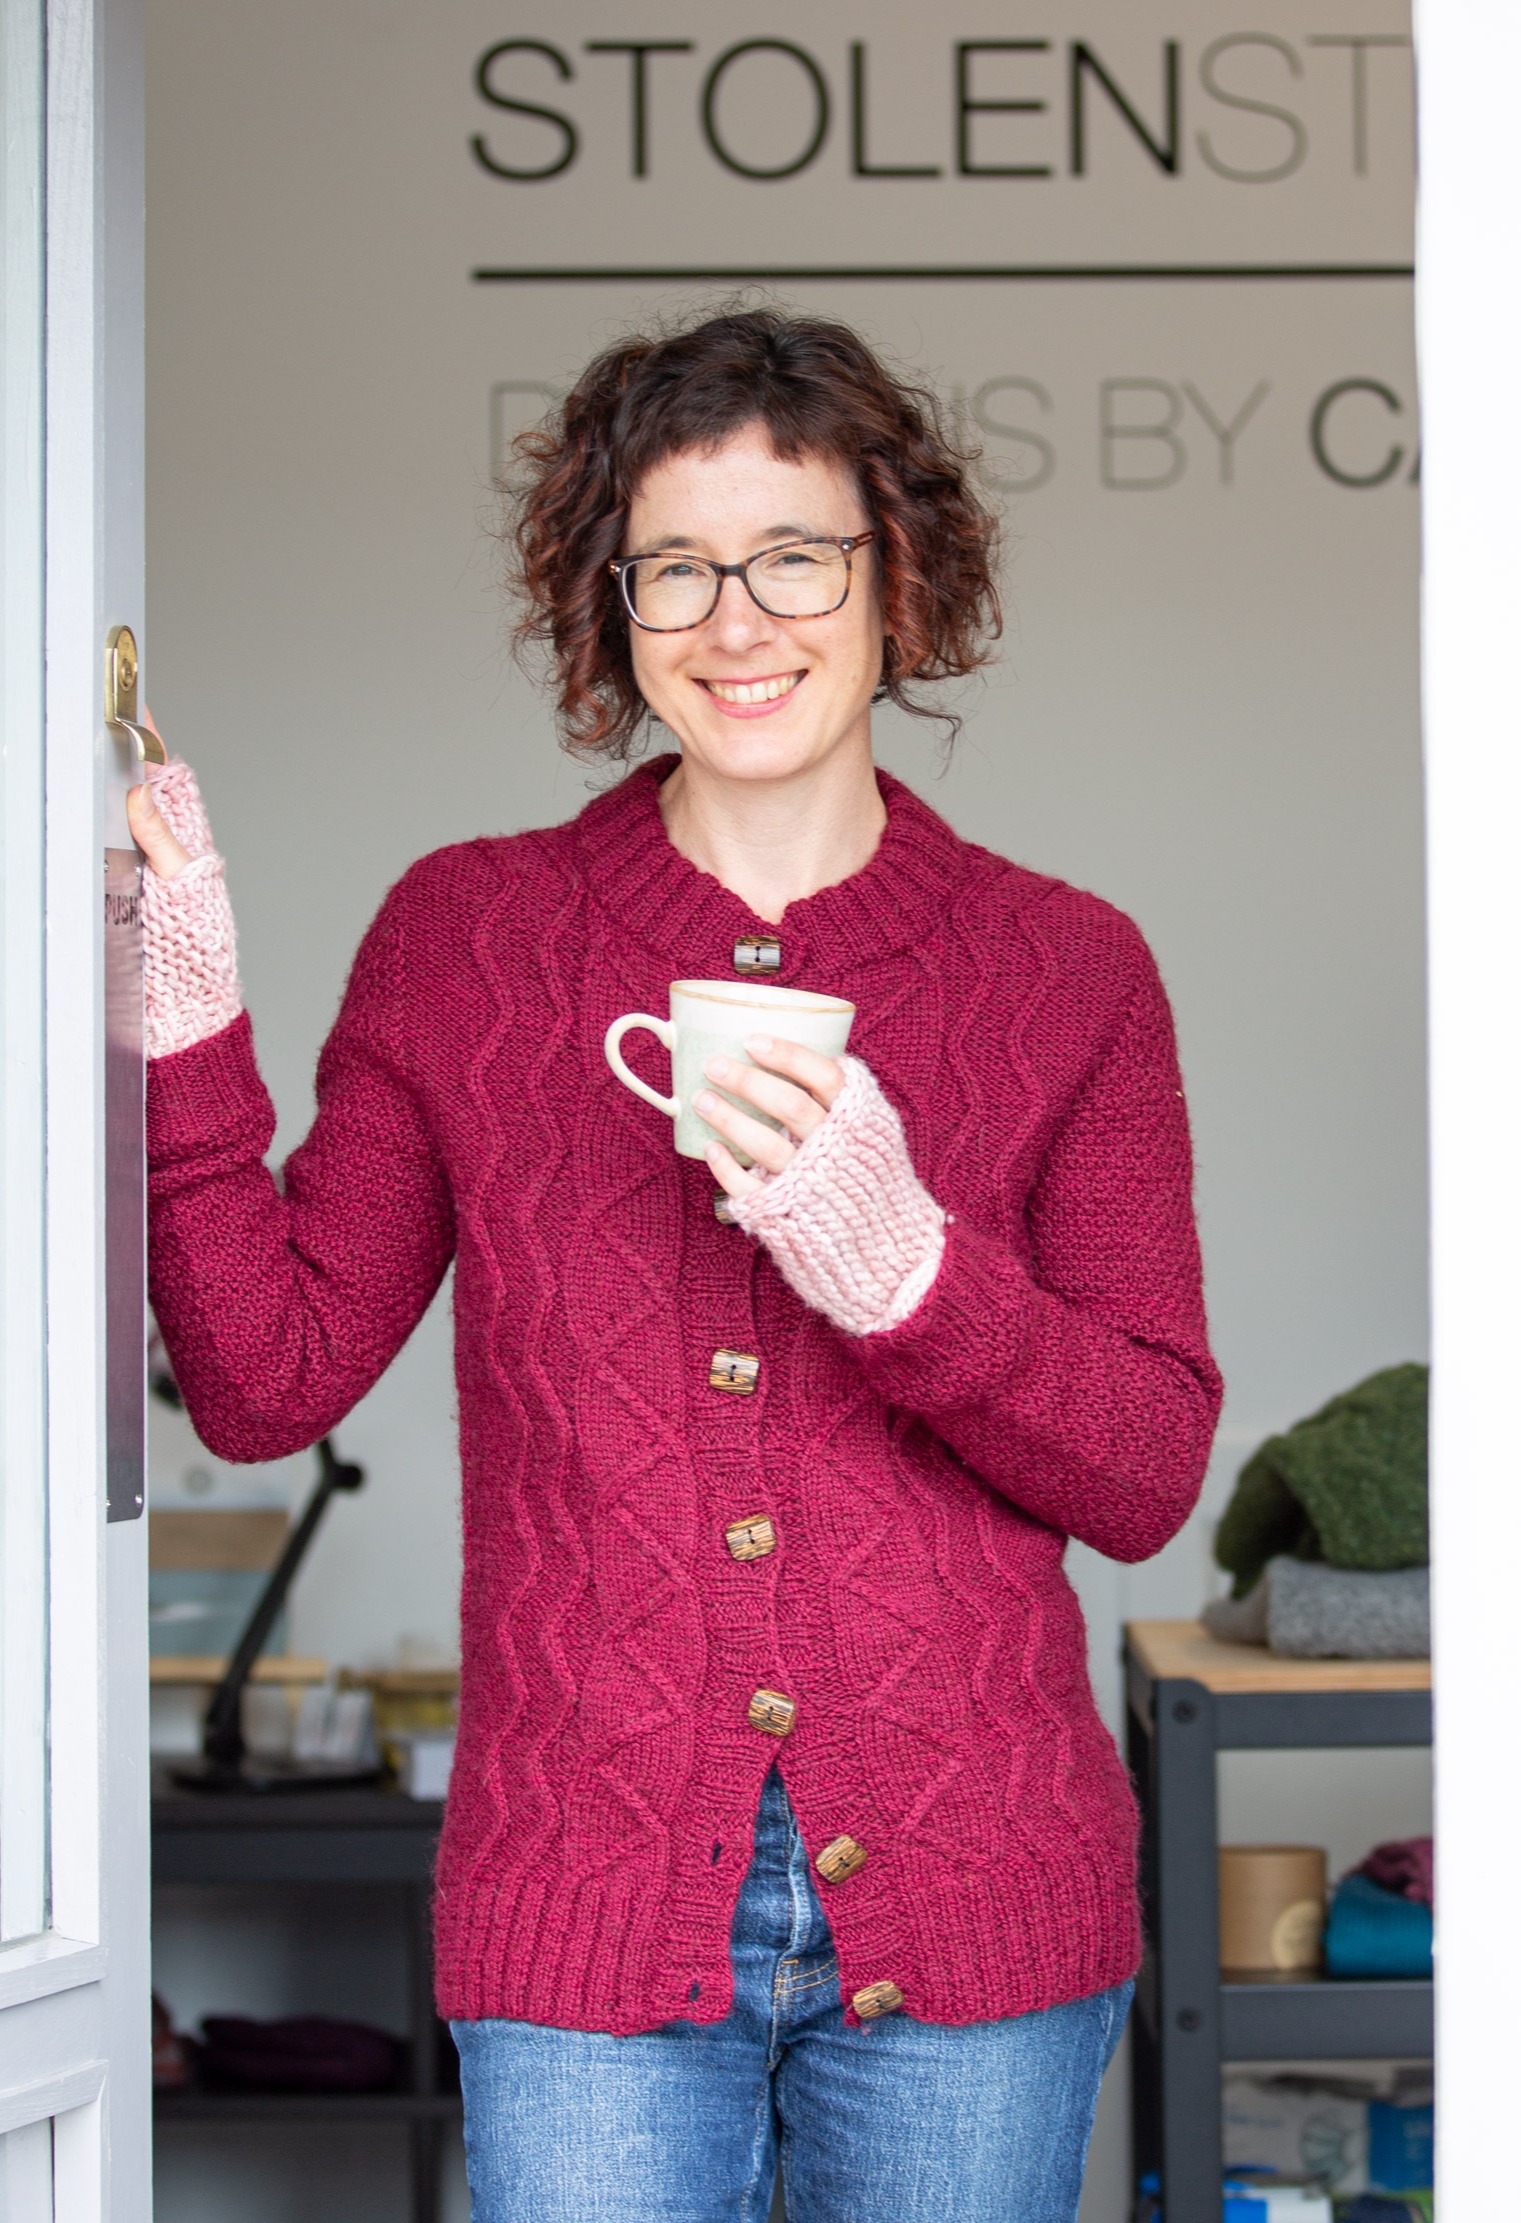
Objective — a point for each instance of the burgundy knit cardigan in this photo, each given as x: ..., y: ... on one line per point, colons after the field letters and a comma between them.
x: 923, y: 1482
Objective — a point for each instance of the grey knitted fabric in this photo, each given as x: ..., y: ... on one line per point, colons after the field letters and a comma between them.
x: 1309, y: 1611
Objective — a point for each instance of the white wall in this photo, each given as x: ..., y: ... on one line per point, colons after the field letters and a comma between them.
x: 1206, y: 708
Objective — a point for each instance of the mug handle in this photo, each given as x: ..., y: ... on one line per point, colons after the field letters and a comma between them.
x: 662, y: 1028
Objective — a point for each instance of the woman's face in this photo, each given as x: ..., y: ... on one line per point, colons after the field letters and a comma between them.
x: 815, y: 676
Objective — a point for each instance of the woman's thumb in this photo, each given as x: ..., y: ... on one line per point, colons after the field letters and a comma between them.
x: 151, y: 831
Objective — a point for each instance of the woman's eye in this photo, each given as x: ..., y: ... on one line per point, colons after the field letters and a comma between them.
x: 792, y: 559
x: 672, y: 567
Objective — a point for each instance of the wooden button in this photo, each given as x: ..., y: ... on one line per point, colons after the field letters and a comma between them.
x: 774, y: 1714
x: 877, y: 1999
x: 757, y: 953
x: 752, y: 1538
x: 840, y: 1859
x: 723, y: 1208
x: 734, y: 1371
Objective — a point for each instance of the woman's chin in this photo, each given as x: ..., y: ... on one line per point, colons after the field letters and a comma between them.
x: 753, y: 749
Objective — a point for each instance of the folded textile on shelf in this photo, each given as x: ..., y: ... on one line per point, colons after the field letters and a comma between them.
x: 1310, y: 1611
x: 1375, y: 1933
x: 1347, y: 1485
x: 301, y: 2053
x: 171, y: 2050
x: 1403, y: 1865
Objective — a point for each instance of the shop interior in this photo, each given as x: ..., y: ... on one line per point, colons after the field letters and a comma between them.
x: 380, y: 243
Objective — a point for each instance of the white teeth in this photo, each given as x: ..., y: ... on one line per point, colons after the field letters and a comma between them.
x: 754, y: 690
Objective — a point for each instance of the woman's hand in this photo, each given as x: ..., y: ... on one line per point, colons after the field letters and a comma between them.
x: 190, y: 945
x: 797, y: 1087
x: 834, y: 1198
x: 150, y: 829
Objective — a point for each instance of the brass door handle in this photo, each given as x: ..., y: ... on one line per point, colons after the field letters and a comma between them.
x: 121, y: 695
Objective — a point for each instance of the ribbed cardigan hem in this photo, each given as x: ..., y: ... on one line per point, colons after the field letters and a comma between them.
x: 496, y: 1959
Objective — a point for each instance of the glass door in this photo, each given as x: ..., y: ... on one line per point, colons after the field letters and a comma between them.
x: 23, y: 1495
x: 74, y: 2019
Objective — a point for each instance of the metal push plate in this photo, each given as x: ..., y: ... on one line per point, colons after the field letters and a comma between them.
x: 126, y: 1317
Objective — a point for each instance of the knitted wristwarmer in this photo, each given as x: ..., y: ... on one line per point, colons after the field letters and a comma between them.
x: 190, y: 954
x: 848, y: 1220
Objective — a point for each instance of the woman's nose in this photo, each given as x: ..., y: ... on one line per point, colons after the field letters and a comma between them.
x: 739, y: 621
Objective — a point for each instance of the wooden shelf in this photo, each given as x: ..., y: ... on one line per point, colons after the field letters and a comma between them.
x: 167, y: 1668
x: 1185, y: 1650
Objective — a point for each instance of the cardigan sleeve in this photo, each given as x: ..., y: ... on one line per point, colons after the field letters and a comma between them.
x: 282, y: 1302
x: 1075, y: 1376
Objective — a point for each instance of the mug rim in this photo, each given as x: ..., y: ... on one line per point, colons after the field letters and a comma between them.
x: 782, y: 999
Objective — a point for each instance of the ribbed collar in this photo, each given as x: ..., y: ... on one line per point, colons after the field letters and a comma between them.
x: 895, y: 902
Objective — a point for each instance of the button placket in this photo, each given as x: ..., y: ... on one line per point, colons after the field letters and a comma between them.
x: 741, y: 1628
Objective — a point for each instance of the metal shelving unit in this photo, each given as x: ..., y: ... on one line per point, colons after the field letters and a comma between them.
x: 1188, y: 1699
x: 344, y: 1839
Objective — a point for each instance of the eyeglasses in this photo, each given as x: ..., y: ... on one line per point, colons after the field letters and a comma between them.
x: 671, y: 593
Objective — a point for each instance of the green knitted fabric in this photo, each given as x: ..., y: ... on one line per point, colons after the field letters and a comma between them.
x: 1348, y: 1485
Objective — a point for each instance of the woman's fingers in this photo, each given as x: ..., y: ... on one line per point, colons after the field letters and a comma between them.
x: 762, y: 1143
x: 796, y: 1086
x: 729, y: 1173
x: 822, y: 1077
x: 799, y: 1108
x: 151, y: 831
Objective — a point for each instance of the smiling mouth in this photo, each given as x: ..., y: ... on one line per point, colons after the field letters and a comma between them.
x: 753, y: 690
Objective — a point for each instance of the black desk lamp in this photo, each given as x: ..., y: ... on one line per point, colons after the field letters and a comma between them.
x: 224, y: 1764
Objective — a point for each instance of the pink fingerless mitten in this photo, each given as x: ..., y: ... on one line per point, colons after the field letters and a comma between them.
x: 848, y: 1220
x: 190, y: 953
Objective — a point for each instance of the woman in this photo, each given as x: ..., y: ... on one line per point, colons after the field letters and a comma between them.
x: 885, y: 1928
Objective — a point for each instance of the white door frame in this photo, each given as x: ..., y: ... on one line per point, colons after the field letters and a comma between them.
x: 1469, y: 328
x: 74, y: 2025
x: 73, y: 2022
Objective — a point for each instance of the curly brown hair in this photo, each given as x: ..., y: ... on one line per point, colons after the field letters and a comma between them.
x: 820, y: 391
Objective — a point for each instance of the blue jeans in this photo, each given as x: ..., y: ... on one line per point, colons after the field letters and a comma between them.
x: 896, y: 2122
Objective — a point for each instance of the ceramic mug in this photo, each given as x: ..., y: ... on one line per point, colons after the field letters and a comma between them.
x: 711, y: 1018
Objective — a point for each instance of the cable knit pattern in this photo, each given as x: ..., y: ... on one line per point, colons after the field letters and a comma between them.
x: 921, y: 1480
x: 190, y: 950
x: 848, y: 1221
